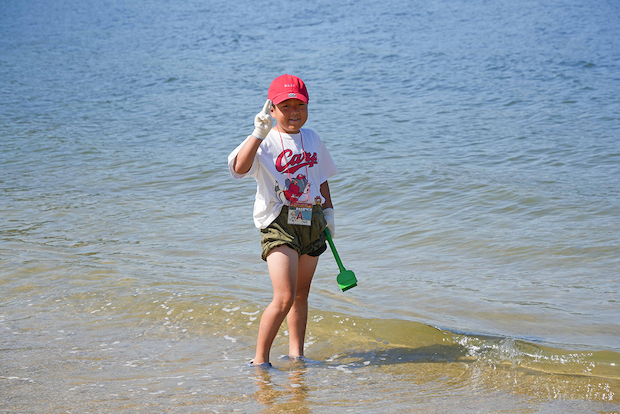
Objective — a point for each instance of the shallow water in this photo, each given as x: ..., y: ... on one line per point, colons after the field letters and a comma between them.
x: 478, y: 205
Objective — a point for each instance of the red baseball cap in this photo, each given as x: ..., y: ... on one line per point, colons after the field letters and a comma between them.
x: 287, y: 87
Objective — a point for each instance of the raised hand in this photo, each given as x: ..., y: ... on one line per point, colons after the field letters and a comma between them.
x: 263, y: 122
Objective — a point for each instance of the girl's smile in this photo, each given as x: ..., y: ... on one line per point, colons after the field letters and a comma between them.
x: 290, y: 115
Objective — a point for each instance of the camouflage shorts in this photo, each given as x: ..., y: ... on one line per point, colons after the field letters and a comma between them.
x: 304, y: 239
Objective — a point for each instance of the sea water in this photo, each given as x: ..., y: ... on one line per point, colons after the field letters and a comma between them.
x: 478, y: 203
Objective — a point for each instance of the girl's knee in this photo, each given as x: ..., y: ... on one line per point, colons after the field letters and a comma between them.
x: 283, y: 302
x: 301, y: 297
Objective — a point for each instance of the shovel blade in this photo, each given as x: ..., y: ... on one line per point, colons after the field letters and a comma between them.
x: 346, y: 280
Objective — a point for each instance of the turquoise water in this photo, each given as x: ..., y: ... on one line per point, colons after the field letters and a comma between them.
x: 477, y: 203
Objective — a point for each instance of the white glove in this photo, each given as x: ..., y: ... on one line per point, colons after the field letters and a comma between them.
x: 329, y: 217
x: 263, y: 122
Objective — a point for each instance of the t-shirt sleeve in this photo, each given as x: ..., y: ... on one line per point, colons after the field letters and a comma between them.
x: 328, y: 167
x: 231, y: 163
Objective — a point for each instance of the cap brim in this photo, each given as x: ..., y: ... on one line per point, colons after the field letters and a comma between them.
x: 288, y: 95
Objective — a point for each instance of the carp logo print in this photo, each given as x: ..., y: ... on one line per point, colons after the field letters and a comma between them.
x: 293, y: 189
x: 288, y: 163
x: 296, y: 162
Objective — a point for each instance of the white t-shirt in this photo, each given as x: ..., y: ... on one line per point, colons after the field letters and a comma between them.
x: 289, y: 169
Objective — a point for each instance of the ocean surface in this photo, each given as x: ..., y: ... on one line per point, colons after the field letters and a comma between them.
x: 478, y: 203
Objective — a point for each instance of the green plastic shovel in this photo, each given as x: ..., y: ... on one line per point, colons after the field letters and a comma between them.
x: 346, y: 279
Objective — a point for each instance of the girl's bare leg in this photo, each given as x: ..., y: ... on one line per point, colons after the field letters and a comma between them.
x: 283, y: 263
x: 298, y: 315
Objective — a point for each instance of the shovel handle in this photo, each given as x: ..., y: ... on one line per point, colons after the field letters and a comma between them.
x: 334, y: 251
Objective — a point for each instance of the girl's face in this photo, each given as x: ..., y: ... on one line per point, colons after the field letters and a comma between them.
x: 290, y: 115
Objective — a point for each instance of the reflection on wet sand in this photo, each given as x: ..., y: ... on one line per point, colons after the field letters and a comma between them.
x: 289, y: 397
